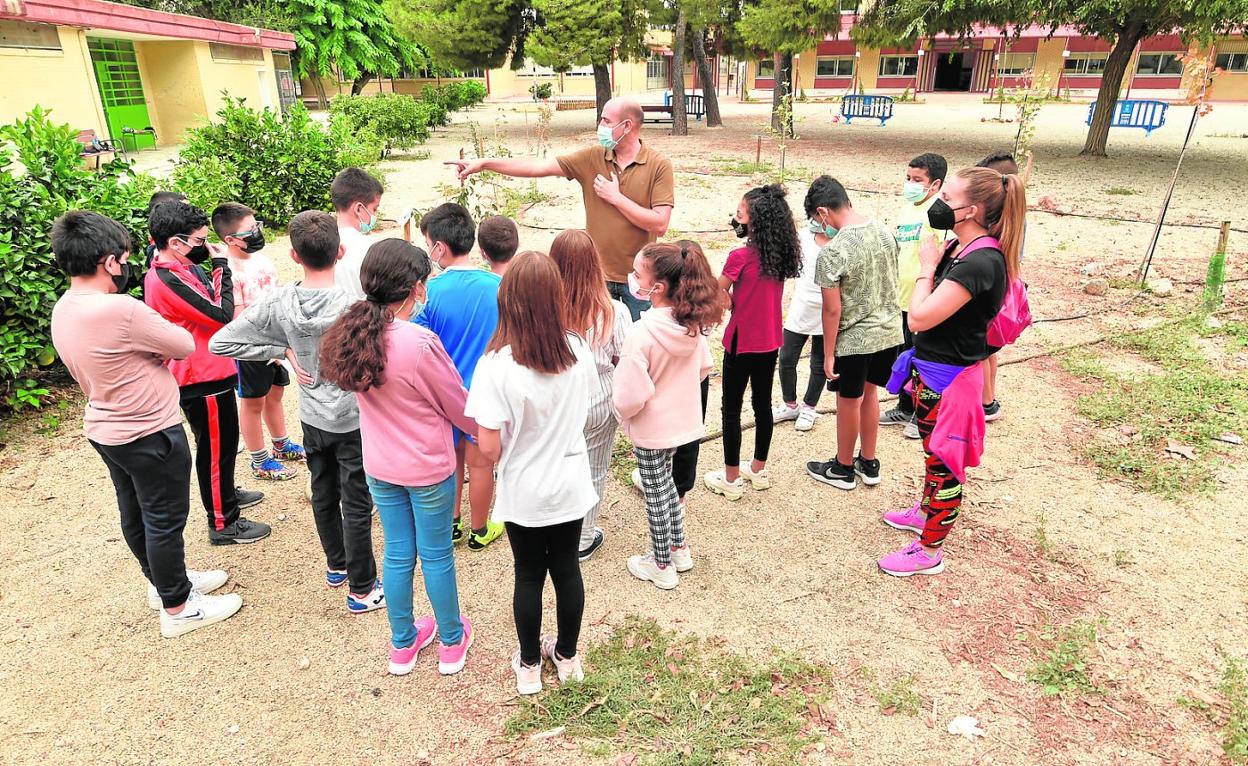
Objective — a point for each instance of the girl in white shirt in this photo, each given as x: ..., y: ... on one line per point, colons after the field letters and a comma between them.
x: 530, y: 398
x: 803, y: 322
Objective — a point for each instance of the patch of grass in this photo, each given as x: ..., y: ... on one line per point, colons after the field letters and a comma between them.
x: 1189, y: 402
x: 511, y: 200
x: 1041, y: 536
x: 1124, y: 283
x: 672, y: 700
x: 1063, y: 667
x: 622, y: 459
x: 736, y: 166
x: 1121, y: 191
x: 899, y: 697
x: 1231, y: 717
x: 1122, y: 558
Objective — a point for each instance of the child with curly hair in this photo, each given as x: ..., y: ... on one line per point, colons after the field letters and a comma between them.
x: 753, y: 280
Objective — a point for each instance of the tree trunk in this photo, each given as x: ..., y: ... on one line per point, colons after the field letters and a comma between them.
x: 358, y: 84
x: 783, y: 89
x: 319, y: 84
x: 704, y: 76
x: 680, y: 120
x: 1111, y: 86
x: 602, y: 86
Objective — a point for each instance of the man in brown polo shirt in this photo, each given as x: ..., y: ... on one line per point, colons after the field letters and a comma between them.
x: 627, y: 187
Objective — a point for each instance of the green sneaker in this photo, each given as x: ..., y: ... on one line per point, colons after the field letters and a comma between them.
x: 493, y: 531
x: 458, y: 533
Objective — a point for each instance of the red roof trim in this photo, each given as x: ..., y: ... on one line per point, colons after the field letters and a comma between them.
x: 96, y: 14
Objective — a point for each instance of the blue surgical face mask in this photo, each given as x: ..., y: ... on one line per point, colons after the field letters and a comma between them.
x: 913, y: 191
x: 814, y: 226
x: 606, y: 136
x: 372, y: 223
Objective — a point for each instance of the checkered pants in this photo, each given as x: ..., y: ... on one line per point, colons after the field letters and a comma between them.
x: 667, y: 520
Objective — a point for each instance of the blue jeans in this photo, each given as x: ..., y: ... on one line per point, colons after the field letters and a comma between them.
x: 418, y: 519
x: 619, y: 291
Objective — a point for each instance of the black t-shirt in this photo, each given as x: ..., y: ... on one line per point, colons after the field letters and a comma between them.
x: 962, y: 338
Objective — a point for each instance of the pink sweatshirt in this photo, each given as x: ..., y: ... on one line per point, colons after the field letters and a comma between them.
x: 658, y: 396
x: 405, y: 423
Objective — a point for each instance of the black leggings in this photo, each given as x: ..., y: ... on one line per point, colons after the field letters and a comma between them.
x: 757, y: 370
x: 794, y: 342
x: 538, y: 550
x: 685, y: 461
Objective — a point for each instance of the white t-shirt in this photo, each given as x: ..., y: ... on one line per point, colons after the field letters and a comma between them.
x: 347, y: 272
x: 806, y: 308
x: 543, y: 473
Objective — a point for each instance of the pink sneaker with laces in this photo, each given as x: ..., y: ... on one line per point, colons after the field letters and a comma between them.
x: 912, y: 560
x: 451, y: 658
x: 403, y: 660
x: 911, y: 519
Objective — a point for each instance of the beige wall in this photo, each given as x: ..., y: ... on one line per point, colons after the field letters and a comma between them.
x: 61, y: 81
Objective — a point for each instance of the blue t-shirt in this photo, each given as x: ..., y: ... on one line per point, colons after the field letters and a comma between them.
x: 462, y: 309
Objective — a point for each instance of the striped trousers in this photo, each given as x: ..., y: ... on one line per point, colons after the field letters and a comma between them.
x: 600, y: 428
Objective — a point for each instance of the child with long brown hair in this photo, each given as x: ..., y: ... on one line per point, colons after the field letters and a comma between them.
x: 658, y: 389
x: 603, y: 323
x: 530, y: 398
x: 409, y: 395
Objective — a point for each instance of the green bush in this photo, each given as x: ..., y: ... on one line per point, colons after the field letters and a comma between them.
x: 282, y: 165
x: 434, y: 104
x: 541, y: 90
x: 42, y: 176
x: 400, y: 121
x: 474, y: 92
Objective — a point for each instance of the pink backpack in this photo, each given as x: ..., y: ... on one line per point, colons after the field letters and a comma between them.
x: 1015, y: 313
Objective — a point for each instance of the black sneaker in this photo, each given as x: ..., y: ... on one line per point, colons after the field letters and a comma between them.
x: 247, y: 497
x: 240, y: 532
x: 832, y: 472
x: 594, y: 545
x: 867, y: 470
x: 992, y: 411
x: 457, y: 531
x: 896, y: 417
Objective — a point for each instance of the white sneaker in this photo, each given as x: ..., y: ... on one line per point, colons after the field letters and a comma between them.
x: 718, y: 483
x: 644, y: 568
x: 200, y: 611
x: 201, y: 582
x: 528, y: 679
x: 682, y: 558
x: 782, y: 412
x: 569, y: 669
x: 636, y: 477
x: 911, y: 431
x: 760, y: 480
x: 806, y: 419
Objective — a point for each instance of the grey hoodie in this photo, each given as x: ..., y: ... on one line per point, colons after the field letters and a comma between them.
x: 295, y: 317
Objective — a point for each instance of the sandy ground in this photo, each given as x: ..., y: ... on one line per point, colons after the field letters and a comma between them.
x: 86, y: 678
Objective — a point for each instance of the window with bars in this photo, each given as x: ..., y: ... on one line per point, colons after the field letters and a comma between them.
x: 117, y: 71
x: 227, y: 52
x: 1089, y: 64
x: 1160, y: 64
x: 19, y: 34
x: 898, y: 66
x: 1015, y: 63
x: 766, y: 69
x: 834, y: 66
x: 656, y: 68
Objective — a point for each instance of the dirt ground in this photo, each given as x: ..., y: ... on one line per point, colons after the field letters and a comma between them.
x: 86, y: 678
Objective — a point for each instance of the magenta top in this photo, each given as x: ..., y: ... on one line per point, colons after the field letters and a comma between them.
x: 405, y: 423
x: 757, y: 323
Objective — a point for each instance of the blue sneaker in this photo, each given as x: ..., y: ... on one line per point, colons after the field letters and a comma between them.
x: 374, y: 599
x: 272, y: 470
x: 289, y: 451
x: 335, y: 577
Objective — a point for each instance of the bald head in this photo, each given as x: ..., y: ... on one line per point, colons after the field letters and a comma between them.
x: 620, y: 109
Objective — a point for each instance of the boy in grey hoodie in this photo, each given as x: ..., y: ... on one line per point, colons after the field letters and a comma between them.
x: 295, y: 317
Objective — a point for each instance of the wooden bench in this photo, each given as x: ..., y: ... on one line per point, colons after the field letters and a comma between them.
x: 95, y: 147
x: 695, y: 107
x: 868, y: 107
x: 1132, y: 113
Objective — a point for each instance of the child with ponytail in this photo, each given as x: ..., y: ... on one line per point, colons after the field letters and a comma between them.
x: 530, y: 398
x: 409, y: 395
x: 603, y: 323
x: 657, y: 392
x: 958, y: 293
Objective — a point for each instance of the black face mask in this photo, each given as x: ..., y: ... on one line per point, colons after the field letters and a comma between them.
x: 253, y: 243
x: 741, y: 229
x: 122, y: 281
x: 941, y: 216
x: 198, y: 254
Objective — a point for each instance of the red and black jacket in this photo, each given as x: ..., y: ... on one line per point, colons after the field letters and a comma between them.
x: 203, y: 304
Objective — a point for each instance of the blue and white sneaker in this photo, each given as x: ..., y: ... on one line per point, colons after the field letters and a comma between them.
x: 374, y: 599
x: 335, y: 577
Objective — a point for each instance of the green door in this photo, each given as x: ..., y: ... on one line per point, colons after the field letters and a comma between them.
x: 121, y: 90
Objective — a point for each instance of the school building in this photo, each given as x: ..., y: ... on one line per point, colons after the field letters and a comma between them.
x: 137, y: 76
x: 1065, y: 60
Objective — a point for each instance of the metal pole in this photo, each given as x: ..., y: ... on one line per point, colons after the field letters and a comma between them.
x: 1165, y: 205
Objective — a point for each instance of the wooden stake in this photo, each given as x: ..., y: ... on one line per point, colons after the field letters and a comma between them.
x: 1224, y: 233
x: 758, y: 151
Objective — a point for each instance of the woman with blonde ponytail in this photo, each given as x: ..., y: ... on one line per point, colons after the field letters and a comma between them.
x: 958, y: 293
